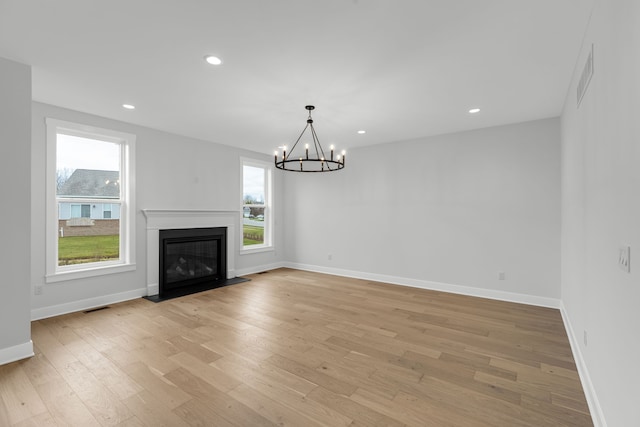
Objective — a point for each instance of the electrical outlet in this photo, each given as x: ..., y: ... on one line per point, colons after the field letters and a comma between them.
x: 624, y: 258
x: 500, y: 275
x: 585, y: 338
x: 329, y: 257
x: 37, y: 290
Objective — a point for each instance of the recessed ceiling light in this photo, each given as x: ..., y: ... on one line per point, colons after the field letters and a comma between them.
x: 129, y: 106
x: 362, y: 131
x: 213, y: 60
x: 474, y: 110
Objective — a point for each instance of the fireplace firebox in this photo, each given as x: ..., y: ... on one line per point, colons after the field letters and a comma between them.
x: 192, y: 260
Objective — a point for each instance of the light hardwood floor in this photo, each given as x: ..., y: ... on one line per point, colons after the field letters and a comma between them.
x: 300, y: 349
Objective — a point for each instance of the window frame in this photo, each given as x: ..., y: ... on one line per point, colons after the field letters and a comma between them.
x: 126, y: 262
x: 268, y: 244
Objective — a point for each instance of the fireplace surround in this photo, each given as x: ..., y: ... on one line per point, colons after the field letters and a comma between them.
x: 165, y: 219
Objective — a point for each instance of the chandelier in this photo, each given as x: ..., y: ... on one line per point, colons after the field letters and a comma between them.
x: 317, y: 161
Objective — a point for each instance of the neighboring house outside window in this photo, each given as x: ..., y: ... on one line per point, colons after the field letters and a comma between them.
x: 90, y: 201
x: 103, y: 183
x: 257, y: 212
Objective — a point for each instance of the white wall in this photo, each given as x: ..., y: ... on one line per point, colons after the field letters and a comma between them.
x: 453, y: 209
x: 172, y: 172
x: 15, y: 176
x: 601, y: 212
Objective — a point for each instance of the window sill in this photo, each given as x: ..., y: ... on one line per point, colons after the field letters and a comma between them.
x: 250, y: 250
x: 62, y: 276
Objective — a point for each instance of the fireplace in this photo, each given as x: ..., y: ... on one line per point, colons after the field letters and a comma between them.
x: 184, y: 219
x: 192, y: 260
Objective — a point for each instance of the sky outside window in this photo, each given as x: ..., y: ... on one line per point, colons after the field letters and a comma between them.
x: 253, y: 183
x: 74, y: 152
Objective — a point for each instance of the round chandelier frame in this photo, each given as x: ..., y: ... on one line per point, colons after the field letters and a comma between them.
x: 319, y: 162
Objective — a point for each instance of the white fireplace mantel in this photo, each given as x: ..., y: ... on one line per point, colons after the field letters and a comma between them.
x: 166, y: 219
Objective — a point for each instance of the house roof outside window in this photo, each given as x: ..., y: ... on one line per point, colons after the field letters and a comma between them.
x: 92, y: 183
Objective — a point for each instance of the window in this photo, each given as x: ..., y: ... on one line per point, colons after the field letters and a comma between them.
x: 257, y: 216
x: 89, y: 180
x: 80, y: 211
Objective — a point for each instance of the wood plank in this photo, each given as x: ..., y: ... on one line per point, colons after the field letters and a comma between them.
x: 105, y: 406
x: 312, y: 375
x: 150, y: 411
x: 255, y: 373
x: 4, y: 414
x: 41, y: 420
x: 276, y: 383
x: 166, y: 393
x: 18, y: 394
x: 214, y: 376
x: 196, y: 412
x: 352, y: 409
x: 104, y: 370
x: 221, y: 403
x: 65, y: 406
x: 270, y: 408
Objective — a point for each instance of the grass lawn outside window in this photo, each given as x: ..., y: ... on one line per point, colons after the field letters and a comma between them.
x: 83, y: 249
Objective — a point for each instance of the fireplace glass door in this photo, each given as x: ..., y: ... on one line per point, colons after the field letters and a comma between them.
x: 192, y: 257
x: 191, y: 260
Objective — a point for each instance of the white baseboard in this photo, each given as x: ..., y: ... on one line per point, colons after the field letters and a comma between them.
x: 16, y: 352
x: 597, y: 415
x: 56, y: 310
x: 86, y: 304
x: 149, y: 289
x: 259, y: 268
x: 434, y: 286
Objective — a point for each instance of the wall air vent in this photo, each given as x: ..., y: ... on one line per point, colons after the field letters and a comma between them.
x: 585, y: 78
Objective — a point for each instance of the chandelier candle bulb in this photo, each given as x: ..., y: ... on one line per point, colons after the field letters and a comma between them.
x: 331, y: 152
x: 306, y: 147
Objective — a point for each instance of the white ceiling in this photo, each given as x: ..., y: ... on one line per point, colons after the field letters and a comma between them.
x: 401, y: 69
